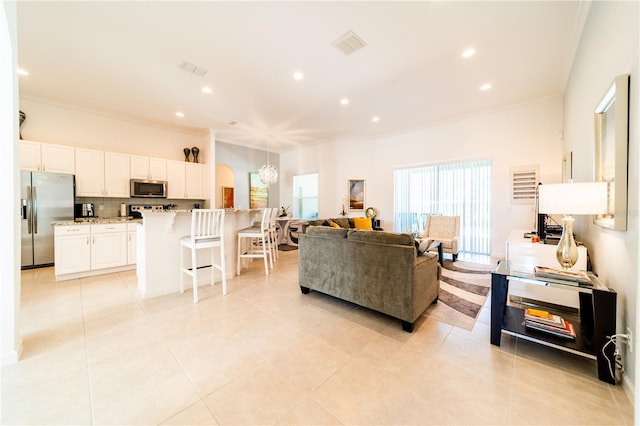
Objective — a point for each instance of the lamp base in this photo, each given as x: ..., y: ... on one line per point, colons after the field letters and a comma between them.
x: 567, y: 252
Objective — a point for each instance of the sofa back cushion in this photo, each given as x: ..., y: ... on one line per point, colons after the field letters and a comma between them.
x: 380, y: 237
x: 327, y: 231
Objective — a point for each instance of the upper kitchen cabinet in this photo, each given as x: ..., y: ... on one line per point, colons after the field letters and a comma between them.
x: 148, y: 168
x: 184, y: 180
x: 101, y: 174
x: 44, y: 157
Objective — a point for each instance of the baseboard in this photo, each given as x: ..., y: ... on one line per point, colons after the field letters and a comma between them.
x: 627, y: 386
x: 12, y: 357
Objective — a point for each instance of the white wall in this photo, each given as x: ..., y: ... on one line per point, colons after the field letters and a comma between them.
x: 9, y: 190
x: 522, y: 134
x: 609, y: 47
x: 66, y: 125
x: 243, y: 160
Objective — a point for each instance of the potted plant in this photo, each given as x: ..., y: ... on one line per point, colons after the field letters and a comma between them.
x: 284, y: 211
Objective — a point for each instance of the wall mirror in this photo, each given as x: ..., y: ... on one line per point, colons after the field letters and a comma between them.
x: 611, y: 151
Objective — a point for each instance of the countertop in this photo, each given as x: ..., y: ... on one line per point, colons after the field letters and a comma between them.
x: 97, y: 220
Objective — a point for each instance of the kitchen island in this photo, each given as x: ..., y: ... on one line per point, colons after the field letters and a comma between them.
x: 158, y: 249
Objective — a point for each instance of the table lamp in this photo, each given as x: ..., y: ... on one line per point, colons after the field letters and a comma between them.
x: 569, y: 199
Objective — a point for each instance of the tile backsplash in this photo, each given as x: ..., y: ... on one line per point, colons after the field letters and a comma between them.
x: 111, y: 206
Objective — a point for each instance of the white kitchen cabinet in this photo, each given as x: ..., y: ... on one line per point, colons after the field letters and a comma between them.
x: 45, y: 157
x: 108, y: 245
x: 148, y: 168
x: 30, y: 156
x: 72, y: 249
x: 89, y: 173
x: 83, y: 250
x: 176, y: 179
x: 193, y: 181
x: 116, y: 175
x: 132, y: 238
x: 101, y: 174
x: 184, y: 180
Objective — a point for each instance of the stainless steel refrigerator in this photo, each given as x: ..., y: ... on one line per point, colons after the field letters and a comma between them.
x: 45, y: 198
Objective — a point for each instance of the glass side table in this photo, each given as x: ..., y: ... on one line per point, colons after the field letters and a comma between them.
x: 594, y: 323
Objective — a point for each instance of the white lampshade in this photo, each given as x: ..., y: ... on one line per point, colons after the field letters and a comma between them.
x: 573, y: 198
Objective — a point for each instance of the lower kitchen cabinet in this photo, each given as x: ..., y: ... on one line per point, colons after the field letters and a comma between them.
x: 85, y: 250
x: 72, y: 249
x: 108, y: 245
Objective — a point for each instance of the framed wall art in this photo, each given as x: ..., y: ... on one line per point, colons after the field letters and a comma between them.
x: 611, y: 151
x: 227, y: 197
x: 356, y: 194
x: 258, y: 192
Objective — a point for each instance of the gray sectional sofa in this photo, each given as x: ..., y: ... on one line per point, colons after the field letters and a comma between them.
x: 375, y: 269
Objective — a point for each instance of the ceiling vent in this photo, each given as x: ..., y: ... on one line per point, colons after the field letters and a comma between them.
x: 349, y: 43
x: 193, y: 69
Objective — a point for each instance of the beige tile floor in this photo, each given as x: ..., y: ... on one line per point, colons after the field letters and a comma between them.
x: 94, y: 353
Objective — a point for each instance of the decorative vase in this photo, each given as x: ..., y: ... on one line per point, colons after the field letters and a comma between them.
x: 23, y: 117
x: 186, y: 151
x: 567, y: 252
x: 195, y: 151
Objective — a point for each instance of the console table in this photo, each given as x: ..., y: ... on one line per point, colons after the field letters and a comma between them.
x: 596, y: 319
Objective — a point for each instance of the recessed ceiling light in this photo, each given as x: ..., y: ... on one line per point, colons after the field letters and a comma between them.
x: 375, y: 119
x: 344, y: 101
x: 180, y: 114
x: 485, y: 87
x: 469, y: 52
x: 22, y: 71
x: 298, y: 75
x: 207, y: 89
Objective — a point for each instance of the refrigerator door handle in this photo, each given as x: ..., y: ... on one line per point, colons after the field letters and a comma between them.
x: 28, y: 209
x: 35, y: 210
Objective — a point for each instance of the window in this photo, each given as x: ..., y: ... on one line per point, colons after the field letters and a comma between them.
x: 460, y: 189
x: 524, y: 184
x: 305, y: 196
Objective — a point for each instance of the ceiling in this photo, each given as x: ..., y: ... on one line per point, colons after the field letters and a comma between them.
x: 123, y: 58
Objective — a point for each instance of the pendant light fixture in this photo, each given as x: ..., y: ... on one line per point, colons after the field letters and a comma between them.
x: 268, y: 172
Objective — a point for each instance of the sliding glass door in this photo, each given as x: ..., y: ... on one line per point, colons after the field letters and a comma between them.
x: 451, y: 189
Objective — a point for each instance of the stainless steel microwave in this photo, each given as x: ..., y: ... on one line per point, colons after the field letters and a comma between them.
x: 148, y: 188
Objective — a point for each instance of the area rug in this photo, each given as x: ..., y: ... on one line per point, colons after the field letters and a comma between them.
x: 464, y: 288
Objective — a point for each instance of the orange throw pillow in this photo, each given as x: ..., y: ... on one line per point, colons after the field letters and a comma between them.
x: 362, y: 223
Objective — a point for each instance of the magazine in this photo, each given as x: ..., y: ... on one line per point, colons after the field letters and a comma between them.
x: 568, y: 332
x: 544, y: 317
x: 562, y: 274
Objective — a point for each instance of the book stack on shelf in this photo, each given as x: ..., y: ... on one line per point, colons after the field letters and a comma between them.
x: 562, y: 275
x: 546, y: 322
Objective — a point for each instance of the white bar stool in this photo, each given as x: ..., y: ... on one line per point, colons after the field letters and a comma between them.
x: 273, y: 233
x: 207, y: 229
x: 259, y: 243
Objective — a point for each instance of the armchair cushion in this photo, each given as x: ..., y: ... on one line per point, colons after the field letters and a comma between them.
x: 445, y: 229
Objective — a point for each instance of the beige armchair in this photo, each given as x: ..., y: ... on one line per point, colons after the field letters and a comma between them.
x: 445, y: 229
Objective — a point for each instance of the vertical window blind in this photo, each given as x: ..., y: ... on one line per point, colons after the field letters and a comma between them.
x: 457, y: 189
